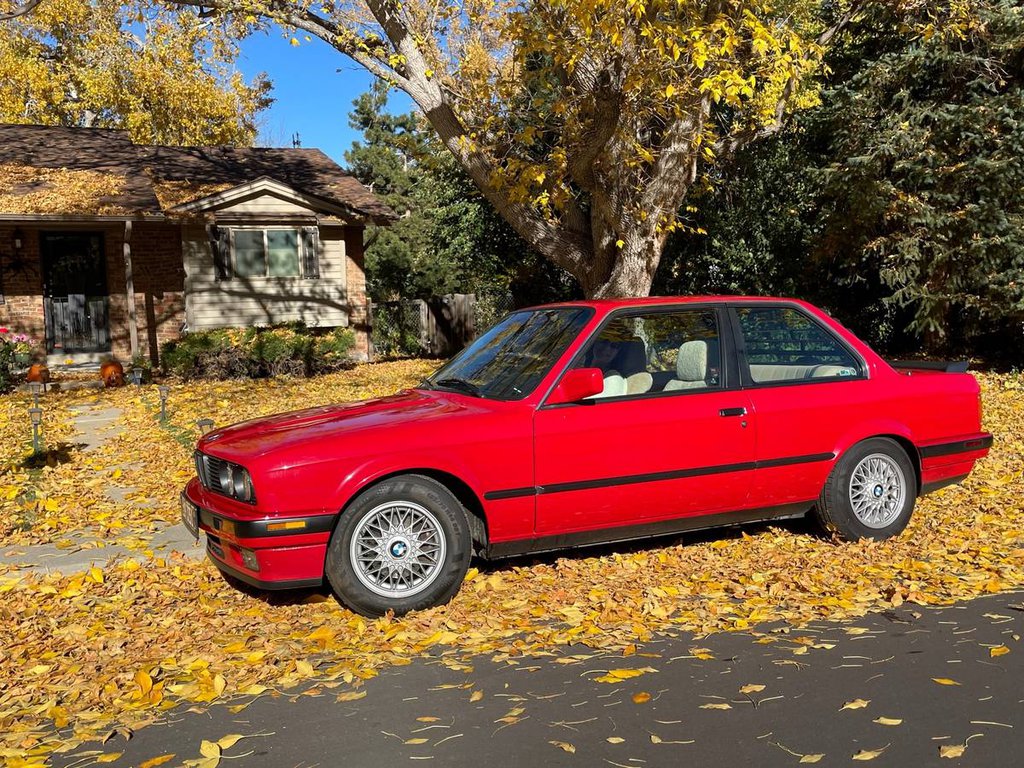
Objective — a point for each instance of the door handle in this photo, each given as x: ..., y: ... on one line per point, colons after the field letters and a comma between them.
x: 733, y: 411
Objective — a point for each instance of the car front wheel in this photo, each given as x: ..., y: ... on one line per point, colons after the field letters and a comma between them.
x: 402, y: 545
x: 870, y: 493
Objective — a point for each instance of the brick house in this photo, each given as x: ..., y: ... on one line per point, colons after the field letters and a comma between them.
x: 112, y: 248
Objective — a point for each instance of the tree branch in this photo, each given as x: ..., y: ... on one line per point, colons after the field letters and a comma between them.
x: 307, y: 21
x: 676, y: 167
x: 601, y: 120
x: 568, y: 249
x: 20, y: 10
x: 729, y: 146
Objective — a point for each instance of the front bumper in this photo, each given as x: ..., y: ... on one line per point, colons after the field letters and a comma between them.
x: 265, y: 551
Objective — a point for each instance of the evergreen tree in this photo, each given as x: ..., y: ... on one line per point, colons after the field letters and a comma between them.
x: 448, y: 239
x: 896, y: 203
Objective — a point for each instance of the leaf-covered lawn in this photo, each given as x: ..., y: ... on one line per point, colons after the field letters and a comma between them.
x: 83, y: 654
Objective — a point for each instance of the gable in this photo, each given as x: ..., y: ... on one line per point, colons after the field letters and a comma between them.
x: 265, y: 197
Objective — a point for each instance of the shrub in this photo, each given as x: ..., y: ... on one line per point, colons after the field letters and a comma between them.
x: 282, y: 350
x: 331, y: 352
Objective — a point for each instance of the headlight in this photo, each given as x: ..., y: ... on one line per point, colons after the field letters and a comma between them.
x: 241, y: 484
x: 226, y: 479
x: 229, y: 479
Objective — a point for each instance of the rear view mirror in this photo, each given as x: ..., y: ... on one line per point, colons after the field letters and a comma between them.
x: 577, y: 385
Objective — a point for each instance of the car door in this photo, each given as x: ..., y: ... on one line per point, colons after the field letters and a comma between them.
x: 669, y: 437
x: 807, y: 388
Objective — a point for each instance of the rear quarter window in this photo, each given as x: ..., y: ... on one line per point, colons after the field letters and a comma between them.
x: 783, y: 345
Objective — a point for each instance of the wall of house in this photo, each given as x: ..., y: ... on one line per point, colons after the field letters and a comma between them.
x: 158, y: 275
x: 21, y: 283
x: 355, y: 276
x: 336, y: 298
x: 158, y: 283
x: 166, y: 258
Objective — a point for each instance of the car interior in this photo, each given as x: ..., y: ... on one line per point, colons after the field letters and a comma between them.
x: 678, y: 352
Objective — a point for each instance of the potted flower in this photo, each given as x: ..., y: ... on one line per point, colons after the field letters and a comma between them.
x: 23, y: 346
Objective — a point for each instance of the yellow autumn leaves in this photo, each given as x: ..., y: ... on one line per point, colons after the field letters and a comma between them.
x: 121, y: 644
x: 161, y: 73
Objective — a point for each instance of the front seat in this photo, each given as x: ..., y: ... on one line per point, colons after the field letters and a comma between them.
x: 633, y: 366
x: 691, y: 366
x: 614, y: 386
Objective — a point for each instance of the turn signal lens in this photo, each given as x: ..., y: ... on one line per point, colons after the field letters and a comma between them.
x: 291, y: 525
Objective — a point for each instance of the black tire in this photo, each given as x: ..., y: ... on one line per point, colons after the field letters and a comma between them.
x: 835, y: 509
x: 441, y: 515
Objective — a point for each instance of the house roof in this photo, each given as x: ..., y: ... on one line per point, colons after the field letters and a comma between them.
x: 82, y: 171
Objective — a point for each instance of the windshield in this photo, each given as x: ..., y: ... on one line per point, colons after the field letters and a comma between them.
x: 508, y: 361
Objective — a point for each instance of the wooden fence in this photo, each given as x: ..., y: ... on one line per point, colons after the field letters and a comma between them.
x: 436, y: 327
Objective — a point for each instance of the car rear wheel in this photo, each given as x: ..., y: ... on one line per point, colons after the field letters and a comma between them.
x: 870, y: 493
x: 402, y: 545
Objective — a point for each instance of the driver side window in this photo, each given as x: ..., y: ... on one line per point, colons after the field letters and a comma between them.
x: 656, y: 352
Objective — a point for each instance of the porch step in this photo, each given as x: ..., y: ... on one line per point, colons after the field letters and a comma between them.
x: 76, y: 361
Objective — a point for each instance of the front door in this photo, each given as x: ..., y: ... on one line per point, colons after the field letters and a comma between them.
x: 668, y: 438
x: 76, y: 301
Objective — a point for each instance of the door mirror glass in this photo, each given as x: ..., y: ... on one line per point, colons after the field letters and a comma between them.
x: 577, y: 384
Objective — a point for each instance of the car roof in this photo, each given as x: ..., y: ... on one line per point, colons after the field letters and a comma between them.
x: 608, y: 305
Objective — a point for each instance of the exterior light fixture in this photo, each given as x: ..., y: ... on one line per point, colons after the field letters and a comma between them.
x: 164, y: 391
x: 17, y: 240
x: 205, y: 425
x: 36, y: 415
x: 37, y: 388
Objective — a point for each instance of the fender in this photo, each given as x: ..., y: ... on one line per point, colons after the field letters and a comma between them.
x: 378, y: 467
x: 873, y: 428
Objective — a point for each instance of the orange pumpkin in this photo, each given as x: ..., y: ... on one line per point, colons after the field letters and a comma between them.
x: 38, y: 372
x: 112, y: 373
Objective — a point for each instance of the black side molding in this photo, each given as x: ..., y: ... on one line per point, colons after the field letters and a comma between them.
x: 652, y: 477
x: 957, y: 446
x: 947, y: 366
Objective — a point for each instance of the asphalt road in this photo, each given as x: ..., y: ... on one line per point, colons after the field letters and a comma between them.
x: 913, y: 681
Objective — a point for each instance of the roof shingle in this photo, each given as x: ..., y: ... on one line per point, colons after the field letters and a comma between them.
x: 136, y: 171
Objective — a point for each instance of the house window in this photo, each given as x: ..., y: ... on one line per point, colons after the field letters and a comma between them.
x: 274, y: 252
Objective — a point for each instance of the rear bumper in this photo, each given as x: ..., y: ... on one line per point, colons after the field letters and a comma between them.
x: 265, y: 552
x: 948, y: 462
x: 976, y: 445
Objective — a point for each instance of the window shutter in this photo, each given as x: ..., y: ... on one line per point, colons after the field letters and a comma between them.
x: 310, y: 253
x: 220, y: 246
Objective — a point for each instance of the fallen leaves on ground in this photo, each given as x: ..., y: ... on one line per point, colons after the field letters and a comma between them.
x: 869, y: 754
x: 86, y: 652
x: 957, y: 750
x: 149, y: 460
x: 855, y: 704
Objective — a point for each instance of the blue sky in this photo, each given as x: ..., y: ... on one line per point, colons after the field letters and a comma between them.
x: 314, y: 87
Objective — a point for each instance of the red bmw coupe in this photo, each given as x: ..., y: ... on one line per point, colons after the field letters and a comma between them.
x: 581, y: 423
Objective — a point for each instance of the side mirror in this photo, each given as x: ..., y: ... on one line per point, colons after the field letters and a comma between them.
x: 576, y: 385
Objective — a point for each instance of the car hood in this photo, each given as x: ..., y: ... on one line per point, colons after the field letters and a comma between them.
x: 317, y: 428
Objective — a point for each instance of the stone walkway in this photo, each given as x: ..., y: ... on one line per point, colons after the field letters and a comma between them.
x: 95, y: 425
